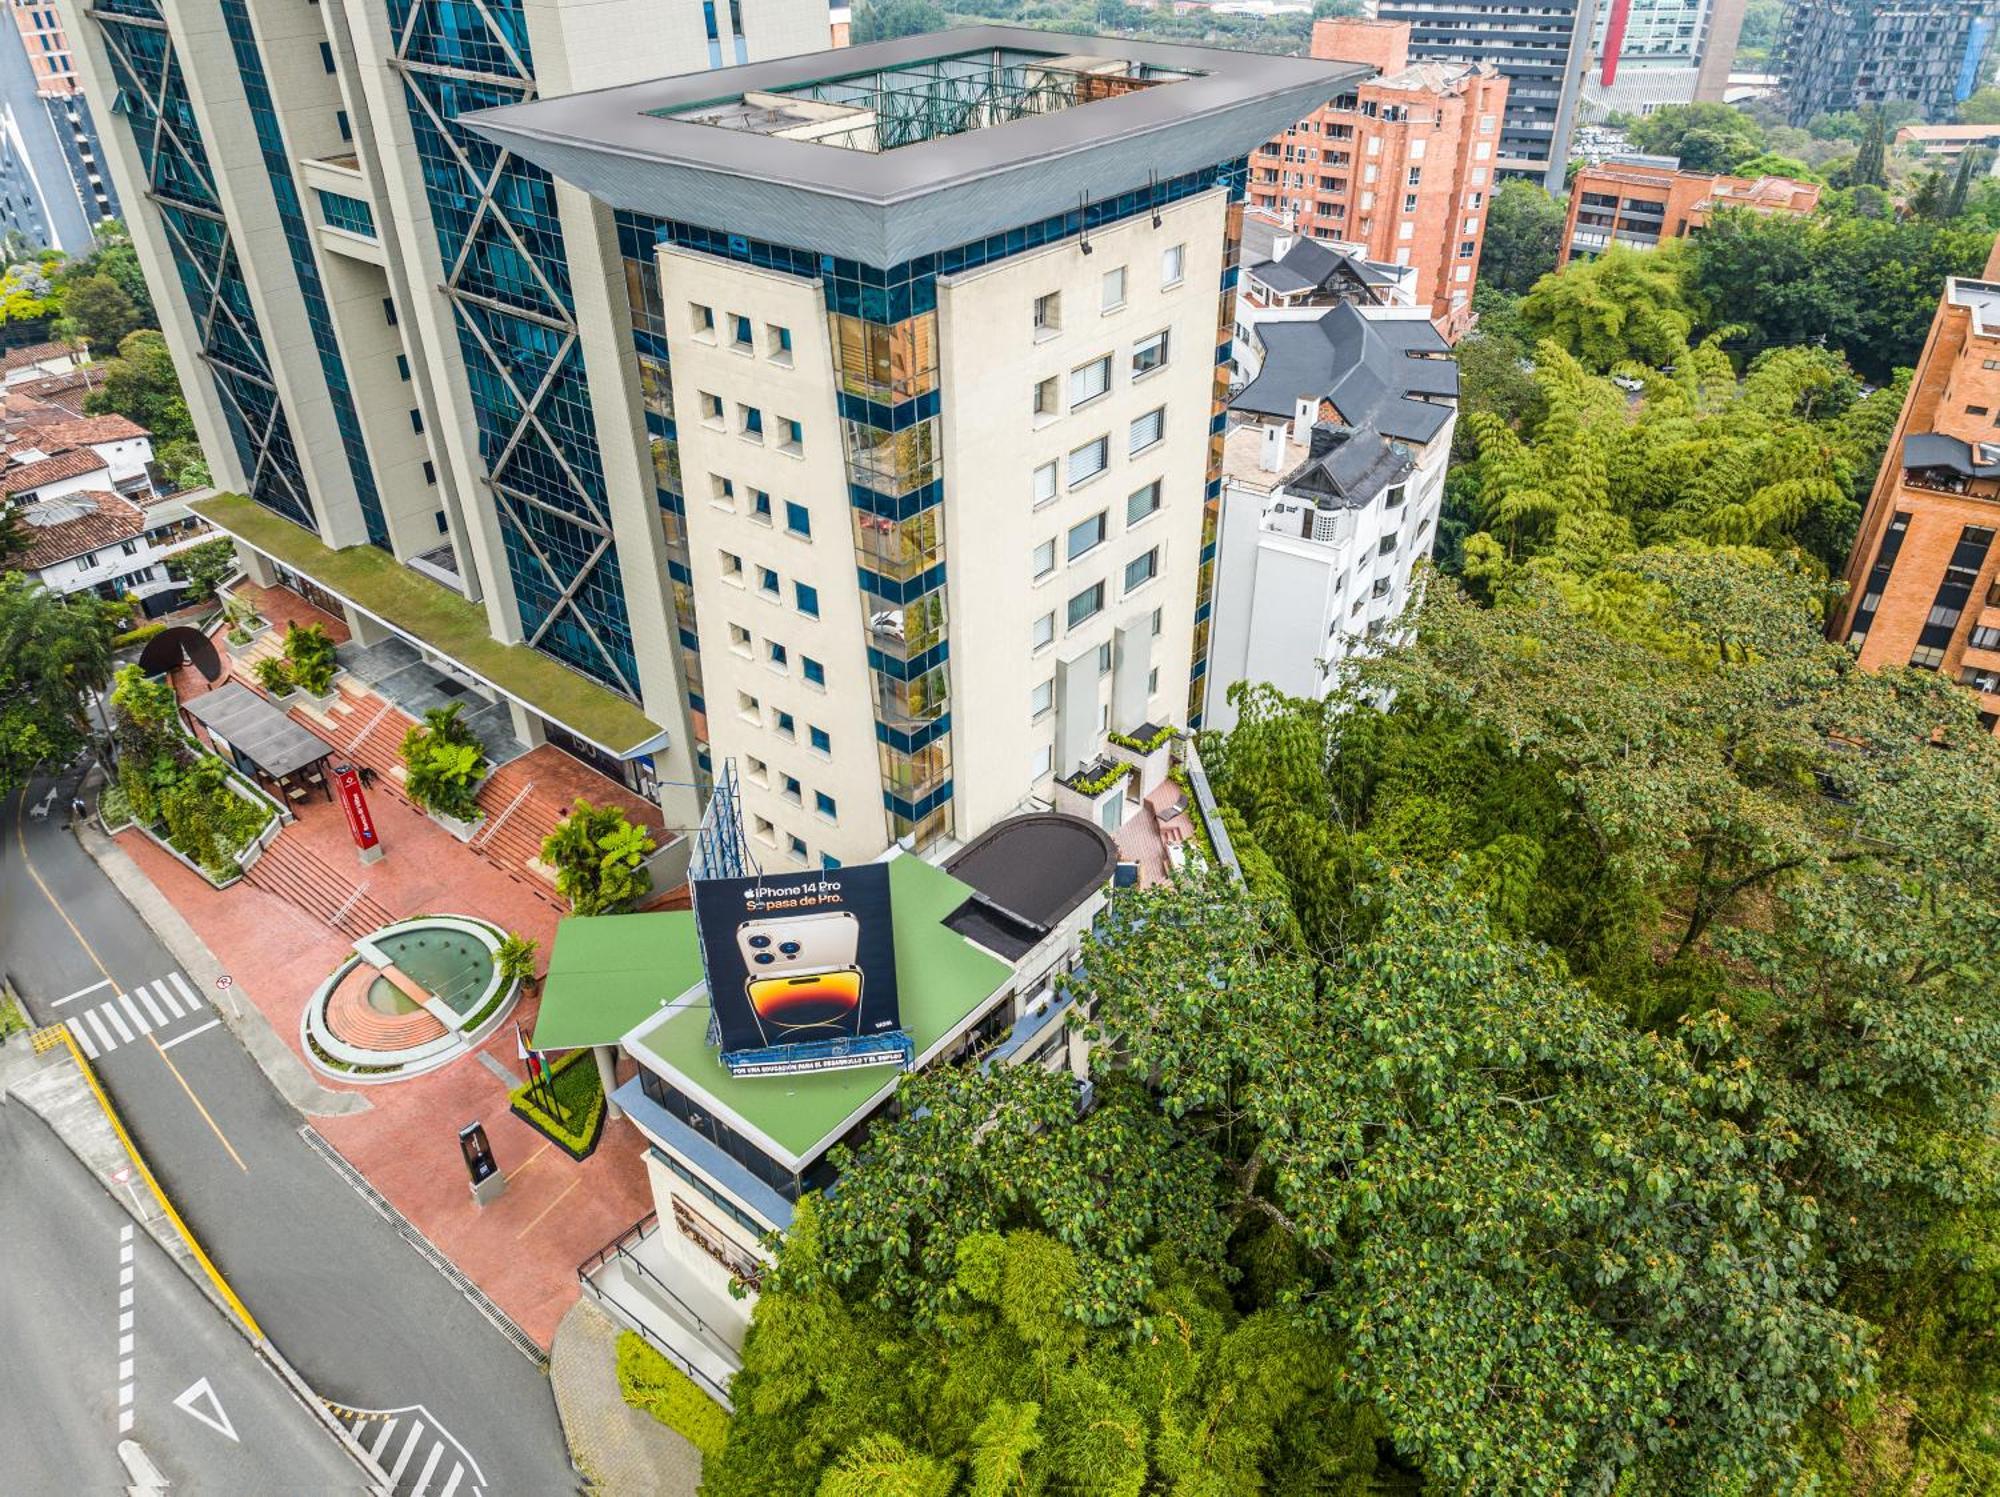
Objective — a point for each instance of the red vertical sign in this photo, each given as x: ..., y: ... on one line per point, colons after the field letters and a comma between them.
x: 347, y: 781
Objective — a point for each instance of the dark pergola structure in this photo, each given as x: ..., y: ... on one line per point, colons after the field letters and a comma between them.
x: 249, y: 727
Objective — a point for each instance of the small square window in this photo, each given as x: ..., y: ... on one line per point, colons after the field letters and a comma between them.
x: 791, y: 435
x: 739, y: 638
x: 797, y: 520
x: 1114, y: 289
x: 1042, y: 761
x: 703, y: 317
x: 766, y: 831
x: 807, y: 598
x: 711, y: 408
x: 767, y: 581
x: 1088, y: 381
x: 1048, y: 399
x: 749, y: 707
x: 750, y: 422
x: 1173, y: 265
x: 758, y: 770
x: 722, y: 490
x: 793, y: 790
x: 820, y: 739
x: 787, y: 725
x: 815, y: 673
x: 1149, y: 354
x: 798, y: 847
x: 778, y: 654
x: 1048, y: 314
x: 1045, y: 484
x: 732, y: 566
x: 828, y: 860
x: 1145, y: 431
x: 1142, y: 569
x: 1044, y: 559
x: 760, y: 506
x: 740, y: 332
x: 1086, y: 604
x: 825, y: 805
x: 1085, y: 536
x: 778, y: 340
x: 1042, y: 699
x: 1045, y: 630
x: 1089, y: 460
x: 1142, y: 503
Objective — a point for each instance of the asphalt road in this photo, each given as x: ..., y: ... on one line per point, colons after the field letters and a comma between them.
x: 99, y: 1351
x: 361, y: 1317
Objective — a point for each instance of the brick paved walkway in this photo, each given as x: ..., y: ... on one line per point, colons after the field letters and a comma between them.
x: 620, y: 1450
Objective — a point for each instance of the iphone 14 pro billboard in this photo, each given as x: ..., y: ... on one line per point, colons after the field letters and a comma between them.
x: 799, y: 958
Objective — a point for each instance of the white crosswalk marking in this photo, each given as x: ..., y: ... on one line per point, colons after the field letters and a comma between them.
x: 148, y: 1008
x: 409, y: 1449
x: 152, y: 1008
x: 382, y: 1440
x: 430, y: 1465
x: 115, y: 1019
x: 139, y: 1021
x: 451, y: 1485
x: 186, y: 992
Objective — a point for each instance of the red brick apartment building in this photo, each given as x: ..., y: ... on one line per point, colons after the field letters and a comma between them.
x: 1924, y: 576
x: 1401, y: 169
x: 1639, y: 206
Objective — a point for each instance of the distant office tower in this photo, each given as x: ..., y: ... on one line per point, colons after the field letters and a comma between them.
x: 1647, y: 54
x: 1845, y: 54
x: 1400, y: 168
x: 1924, y: 576
x: 841, y: 416
x: 1540, y: 49
x: 53, y: 186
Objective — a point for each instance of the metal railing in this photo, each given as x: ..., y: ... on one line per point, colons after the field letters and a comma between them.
x: 620, y: 1248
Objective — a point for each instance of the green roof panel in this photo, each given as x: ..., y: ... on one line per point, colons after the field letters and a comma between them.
x: 608, y: 974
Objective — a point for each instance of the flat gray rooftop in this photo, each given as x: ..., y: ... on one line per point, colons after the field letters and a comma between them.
x: 730, y: 149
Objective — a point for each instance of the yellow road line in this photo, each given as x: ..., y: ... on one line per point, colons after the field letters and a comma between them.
x: 138, y: 1162
x: 197, y: 1104
x: 21, y: 838
x: 546, y: 1210
x: 529, y: 1160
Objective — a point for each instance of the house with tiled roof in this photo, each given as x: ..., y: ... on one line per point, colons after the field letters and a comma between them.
x: 39, y: 361
x: 122, y: 446
x: 53, y: 476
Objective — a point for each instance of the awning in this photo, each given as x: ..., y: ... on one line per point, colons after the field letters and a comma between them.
x: 256, y: 729
x: 610, y: 973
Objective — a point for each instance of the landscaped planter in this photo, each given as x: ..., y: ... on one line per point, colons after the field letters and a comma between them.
x: 592, y: 1133
x: 239, y: 650
x: 246, y: 855
x: 1149, y: 751
x: 465, y: 831
x: 1095, y: 794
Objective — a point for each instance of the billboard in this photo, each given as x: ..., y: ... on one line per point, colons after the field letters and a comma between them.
x: 800, y: 959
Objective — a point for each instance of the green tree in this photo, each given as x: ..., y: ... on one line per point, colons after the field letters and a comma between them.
x: 1725, y: 134
x: 204, y: 568
x: 97, y: 310
x: 55, y: 651
x: 111, y: 254
x: 1624, y: 306
x: 1334, y: 10
x: 1982, y: 107
x: 1871, y: 165
x: 182, y: 464
x: 599, y: 858
x: 1523, y: 236
x: 140, y: 384
x: 885, y: 20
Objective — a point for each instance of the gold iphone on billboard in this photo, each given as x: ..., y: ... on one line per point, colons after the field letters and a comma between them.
x: 784, y: 944
x: 807, y: 1005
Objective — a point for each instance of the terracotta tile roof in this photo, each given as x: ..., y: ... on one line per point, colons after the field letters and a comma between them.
x: 55, y: 430
x: 28, y: 476
x: 95, y: 520
x: 34, y: 353
x: 49, y: 386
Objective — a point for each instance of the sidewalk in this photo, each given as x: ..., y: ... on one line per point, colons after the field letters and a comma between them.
x: 619, y: 1450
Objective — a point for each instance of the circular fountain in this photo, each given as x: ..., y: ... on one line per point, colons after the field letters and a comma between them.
x: 410, y: 997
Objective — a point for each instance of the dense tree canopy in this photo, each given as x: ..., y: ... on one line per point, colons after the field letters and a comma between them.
x: 1625, y: 305
x: 140, y: 384
x: 1523, y: 236
x: 54, y: 651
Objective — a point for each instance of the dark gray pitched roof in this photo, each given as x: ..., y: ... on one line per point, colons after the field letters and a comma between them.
x: 1375, y: 371
x: 1932, y: 449
x: 1310, y: 265
x: 1353, y: 467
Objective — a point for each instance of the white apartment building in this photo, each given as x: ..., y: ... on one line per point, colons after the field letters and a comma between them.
x: 1333, y: 482
x: 852, y: 416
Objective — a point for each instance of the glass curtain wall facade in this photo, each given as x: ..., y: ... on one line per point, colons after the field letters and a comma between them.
x: 153, y: 96
x: 1218, y: 430
x: 507, y: 279
x: 298, y: 241
x: 883, y: 325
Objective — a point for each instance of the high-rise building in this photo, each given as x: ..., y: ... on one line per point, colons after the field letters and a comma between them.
x: 1647, y: 54
x: 1837, y: 55
x: 1923, y: 579
x: 1540, y: 49
x: 1400, y: 167
x: 848, y: 416
x: 54, y: 189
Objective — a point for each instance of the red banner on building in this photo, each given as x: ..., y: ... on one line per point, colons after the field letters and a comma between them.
x: 347, y: 780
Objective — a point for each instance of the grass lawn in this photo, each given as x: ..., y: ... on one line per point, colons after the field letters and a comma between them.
x: 655, y: 1386
x: 580, y: 1092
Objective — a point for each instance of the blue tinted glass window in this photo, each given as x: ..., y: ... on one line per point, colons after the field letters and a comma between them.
x: 821, y: 740
x: 767, y: 580
x: 824, y: 803
x: 797, y: 520
x: 815, y: 672
x: 808, y: 599
x: 788, y: 725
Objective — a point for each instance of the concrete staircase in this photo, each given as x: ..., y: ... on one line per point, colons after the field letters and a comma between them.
x: 307, y: 883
